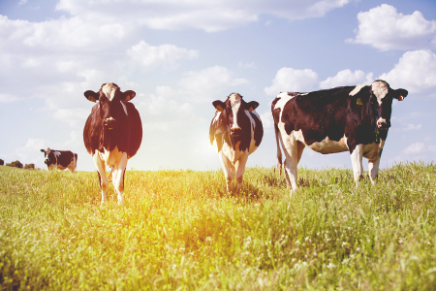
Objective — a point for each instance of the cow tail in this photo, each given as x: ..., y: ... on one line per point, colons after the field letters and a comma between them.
x: 76, y: 156
x: 279, y: 152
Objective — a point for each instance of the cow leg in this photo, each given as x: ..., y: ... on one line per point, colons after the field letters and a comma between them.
x: 118, y: 177
x: 229, y: 170
x: 101, y: 168
x: 356, y: 161
x: 240, y: 169
x: 293, y: 154
x: 373, y: 166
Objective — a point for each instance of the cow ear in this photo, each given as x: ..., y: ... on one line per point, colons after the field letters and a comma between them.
x: 252, y: 105
x: 42, y: 150
x: 91, y: 96
x: 128, y: 95
x: 219, y: 105
x: 400, y: 94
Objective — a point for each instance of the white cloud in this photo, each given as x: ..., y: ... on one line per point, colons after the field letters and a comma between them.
x: 415, y: 72
x: 347, y: 77
x: 384, y: 28
x: 288, y: 79
x: 208, y: 15
x: 415, y: 148
x: 167, y: 55
x: 247, y: 65
x: 204, y: 85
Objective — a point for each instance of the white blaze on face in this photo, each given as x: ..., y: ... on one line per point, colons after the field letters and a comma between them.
x: 235, y: 103
x: 109, y: 90
x: 380, y: 89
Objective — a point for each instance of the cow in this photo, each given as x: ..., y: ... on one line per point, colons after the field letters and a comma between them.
x: 238, y: 131
x: 350, y: 118
x: 112, y: 134
x: 55, y: 159
x: 2, y: 162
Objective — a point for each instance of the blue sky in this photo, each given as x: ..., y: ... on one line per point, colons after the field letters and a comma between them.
x: 179, y: 56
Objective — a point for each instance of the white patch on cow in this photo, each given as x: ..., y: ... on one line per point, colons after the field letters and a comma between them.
x: 73, y: 164
x: 284, y: 98
x: 235, y: 103
x: 57, y: 154
x: 356, y: 90
x: 109, y: 90
x: 124, y: 107
x: 356, y: 161
x: 380, y: 89
x: 217, y: 117
x: 304, y: 94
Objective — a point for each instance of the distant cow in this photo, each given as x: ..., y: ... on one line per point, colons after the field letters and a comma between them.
x: 238, y: 131
x: 112, y: 134
x: 60, y: 160
x: 2, y: 162
x: 352, y: 118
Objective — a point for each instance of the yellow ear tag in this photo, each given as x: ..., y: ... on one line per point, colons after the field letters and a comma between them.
x: 92, y: 99
x: 251, y: 109
x: 359, y: 101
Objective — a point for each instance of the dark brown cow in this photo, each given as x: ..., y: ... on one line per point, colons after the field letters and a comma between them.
x: 238, y: 131
x: 352, y: 118
x: 112, y: 134
x: 55, y: 159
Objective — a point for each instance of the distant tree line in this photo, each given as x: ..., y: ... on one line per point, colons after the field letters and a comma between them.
x: 18, y: 164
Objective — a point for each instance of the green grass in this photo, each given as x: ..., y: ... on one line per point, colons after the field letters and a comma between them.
x: 179, y: 230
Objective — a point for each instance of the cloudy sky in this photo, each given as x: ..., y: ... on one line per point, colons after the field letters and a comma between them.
x: 179, y: 56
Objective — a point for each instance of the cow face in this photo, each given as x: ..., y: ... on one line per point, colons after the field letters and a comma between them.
x: 381, y: 100
x: 111, y: 104
x: 47, y: 153
x: 231, y: 116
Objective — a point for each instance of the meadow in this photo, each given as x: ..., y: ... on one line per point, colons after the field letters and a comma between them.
x: 180, y: 230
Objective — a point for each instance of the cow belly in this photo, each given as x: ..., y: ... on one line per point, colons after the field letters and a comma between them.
x: 326, y: 146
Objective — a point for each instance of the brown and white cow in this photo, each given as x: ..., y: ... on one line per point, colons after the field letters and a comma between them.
x: 112, y: 134
x: 238, y: 131
x: 352, y: 118
x: 60, y: 160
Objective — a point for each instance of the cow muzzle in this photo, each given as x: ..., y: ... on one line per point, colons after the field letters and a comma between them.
x: 46, y: 161
x: 383, y: 124
x: 235, y: 131
x: 109, y: 123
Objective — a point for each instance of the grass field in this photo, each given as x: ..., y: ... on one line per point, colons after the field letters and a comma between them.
x: 179, y: 230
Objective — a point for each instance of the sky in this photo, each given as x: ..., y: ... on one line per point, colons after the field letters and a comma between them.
x: 181, y: 55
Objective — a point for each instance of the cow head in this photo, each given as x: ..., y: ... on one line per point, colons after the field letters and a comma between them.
x: 381, y: 99
x: 48, y: 154
x: 111, y: 103
x: 231, y: 116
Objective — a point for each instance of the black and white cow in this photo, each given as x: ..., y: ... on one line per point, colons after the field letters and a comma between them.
x: 238, y: 131
x: 352, y: 118
x: 60, y: 160
x: 112, y: 134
